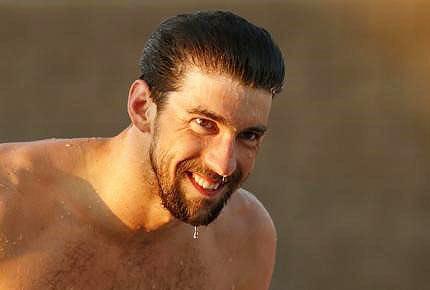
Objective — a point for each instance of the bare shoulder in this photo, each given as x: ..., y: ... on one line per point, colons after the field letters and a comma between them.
x: 28, y: 159
x: 13, y: 158
x: 255, y: 207
x: 18, y: 162
x: 250, y: 211
x: 19, y: 166
x: 252, y: 239
x: 26, y: 167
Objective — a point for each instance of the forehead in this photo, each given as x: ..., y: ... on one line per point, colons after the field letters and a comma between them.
x: 223, y: 95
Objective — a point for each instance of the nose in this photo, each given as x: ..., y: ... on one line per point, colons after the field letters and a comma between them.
x: 220, y: 155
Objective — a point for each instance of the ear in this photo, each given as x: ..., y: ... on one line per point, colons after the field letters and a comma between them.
x: 141, y: 108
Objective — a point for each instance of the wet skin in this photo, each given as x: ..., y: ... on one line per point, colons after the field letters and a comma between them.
x: 87, y: 213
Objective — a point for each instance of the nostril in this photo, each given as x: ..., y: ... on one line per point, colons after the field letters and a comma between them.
x: 221, y: 161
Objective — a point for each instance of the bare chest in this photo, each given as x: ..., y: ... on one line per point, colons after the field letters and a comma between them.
x: 96, y: 264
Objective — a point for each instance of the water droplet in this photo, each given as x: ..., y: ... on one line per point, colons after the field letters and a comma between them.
x: 196, y: 233
x: 181, y: 262
x: 61, y: 216
x: 90, y: 206
x: 62, y: 202
x: 68, y: 213
x: 68, y: 145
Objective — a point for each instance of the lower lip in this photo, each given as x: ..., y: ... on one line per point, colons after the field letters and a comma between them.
x: 205, y: 192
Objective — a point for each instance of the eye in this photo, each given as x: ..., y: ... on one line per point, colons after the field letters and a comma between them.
x: 203, y: 126
x: 205, y: 123
x: 249, y: 136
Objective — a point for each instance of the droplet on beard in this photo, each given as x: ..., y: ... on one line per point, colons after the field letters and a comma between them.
x: 196, y: 233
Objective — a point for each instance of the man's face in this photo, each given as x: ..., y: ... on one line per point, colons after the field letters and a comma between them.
x: 211, y: 127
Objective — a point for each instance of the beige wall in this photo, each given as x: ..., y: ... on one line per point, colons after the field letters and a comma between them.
x: 344, y: 171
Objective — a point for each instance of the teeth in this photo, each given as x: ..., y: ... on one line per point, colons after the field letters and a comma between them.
x: 205, y: 184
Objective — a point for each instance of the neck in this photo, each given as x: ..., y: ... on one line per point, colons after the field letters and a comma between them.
x: 124, y: 180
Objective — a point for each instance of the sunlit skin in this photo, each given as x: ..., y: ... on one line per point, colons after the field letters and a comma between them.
x: 220, y: 125
x: 100, y: 199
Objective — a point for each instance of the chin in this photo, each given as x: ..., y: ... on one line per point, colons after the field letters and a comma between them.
x: 202, y: 219
x: 205, y: 212
x: 186, y: 203
x: 200, y: 212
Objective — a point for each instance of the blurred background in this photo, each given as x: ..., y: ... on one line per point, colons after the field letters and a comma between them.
x: 344, y: 170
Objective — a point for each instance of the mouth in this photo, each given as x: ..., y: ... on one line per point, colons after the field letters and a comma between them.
x: 207, y: 187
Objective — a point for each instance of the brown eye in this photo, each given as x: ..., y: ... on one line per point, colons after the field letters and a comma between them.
x: 207, y: 124
x: 249, y: 136
x: 203, y: 126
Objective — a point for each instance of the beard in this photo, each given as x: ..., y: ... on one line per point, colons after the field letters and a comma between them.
x: 196, y: 212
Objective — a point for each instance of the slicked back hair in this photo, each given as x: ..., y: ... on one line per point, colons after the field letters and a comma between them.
x: 214, y: 42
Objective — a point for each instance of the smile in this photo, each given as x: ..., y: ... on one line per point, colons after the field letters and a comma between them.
x: 203, y: 185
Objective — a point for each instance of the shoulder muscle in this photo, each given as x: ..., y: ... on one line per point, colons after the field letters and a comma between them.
x: 259, y: 234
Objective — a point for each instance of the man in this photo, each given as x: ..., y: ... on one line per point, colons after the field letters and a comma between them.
x: 147, y: 209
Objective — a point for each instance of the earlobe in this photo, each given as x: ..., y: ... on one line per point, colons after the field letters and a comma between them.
x: 140, y: 106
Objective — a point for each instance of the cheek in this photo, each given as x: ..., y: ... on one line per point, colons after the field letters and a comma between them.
x: 246, y: 160
x: 187, y: 146
x: 177, y: 141
x: 182, y: 148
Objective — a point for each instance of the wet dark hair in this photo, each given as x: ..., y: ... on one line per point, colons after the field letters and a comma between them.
x: 214, y: 41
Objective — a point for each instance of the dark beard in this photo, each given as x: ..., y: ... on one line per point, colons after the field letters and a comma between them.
x: 194, y: 212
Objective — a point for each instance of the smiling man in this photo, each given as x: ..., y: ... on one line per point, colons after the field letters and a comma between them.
x: 147, y: 209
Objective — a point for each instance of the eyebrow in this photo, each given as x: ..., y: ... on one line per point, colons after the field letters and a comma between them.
x: 216, y: 117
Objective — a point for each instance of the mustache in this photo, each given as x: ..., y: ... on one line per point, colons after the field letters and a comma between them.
x: 194, y: 165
